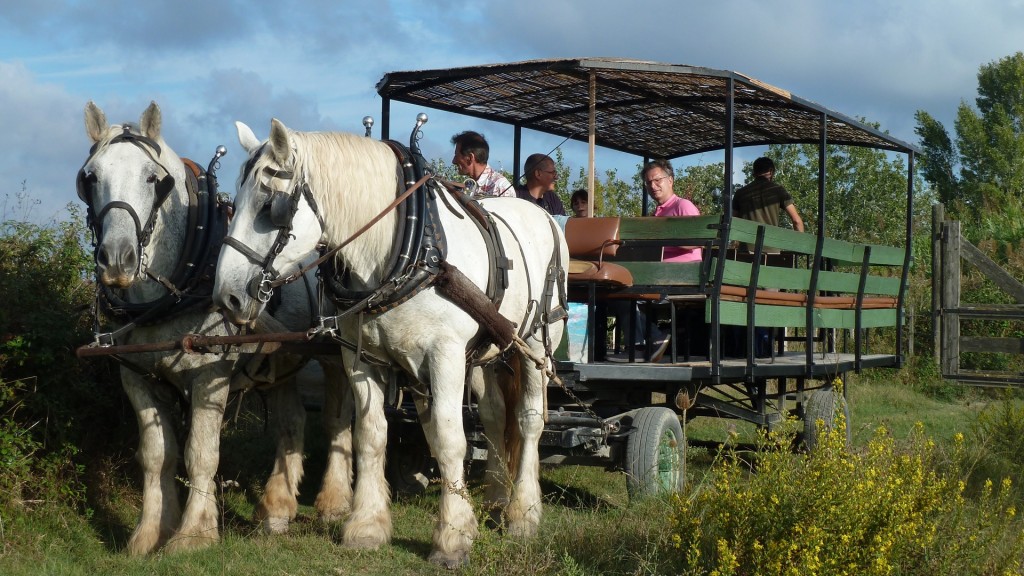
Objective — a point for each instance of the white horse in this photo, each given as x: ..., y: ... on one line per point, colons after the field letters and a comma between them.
x: 333, y: 184
x: 146, y: 244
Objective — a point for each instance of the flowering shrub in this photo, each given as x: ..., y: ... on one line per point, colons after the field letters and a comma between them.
x: 885, y: 509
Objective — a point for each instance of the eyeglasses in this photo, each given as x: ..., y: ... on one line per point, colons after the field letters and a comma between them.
x: 653, y: 180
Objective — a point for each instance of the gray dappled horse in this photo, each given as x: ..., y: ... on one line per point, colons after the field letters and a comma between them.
x: 155, y: 247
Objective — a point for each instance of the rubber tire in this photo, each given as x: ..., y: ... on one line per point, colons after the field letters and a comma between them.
x: 410, y: 468
x: 822, y: 405
x: 655, y: 454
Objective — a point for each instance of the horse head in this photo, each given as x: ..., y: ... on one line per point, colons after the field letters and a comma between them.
x: 126, y: 182
x: 275, y: 225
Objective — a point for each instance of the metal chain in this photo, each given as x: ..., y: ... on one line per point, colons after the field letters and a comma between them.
x: 543, y: 364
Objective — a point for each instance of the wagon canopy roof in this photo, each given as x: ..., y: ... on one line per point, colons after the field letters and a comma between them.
x: 645, y: 108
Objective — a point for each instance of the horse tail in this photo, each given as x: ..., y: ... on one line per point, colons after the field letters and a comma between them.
x: 512, y: 392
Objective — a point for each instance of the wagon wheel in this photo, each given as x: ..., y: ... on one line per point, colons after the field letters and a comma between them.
x: 823, y: 404
x: 410, y: 467
x: 655, y: 453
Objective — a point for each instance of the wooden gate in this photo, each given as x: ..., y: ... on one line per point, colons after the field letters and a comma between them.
x: 949, y: 250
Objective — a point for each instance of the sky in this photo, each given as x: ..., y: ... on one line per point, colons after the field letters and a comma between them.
x: 314, y: 65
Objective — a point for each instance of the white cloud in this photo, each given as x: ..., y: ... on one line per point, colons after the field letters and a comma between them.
x: 315, y: 63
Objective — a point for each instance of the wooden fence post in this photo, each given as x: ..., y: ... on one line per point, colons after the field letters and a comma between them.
x: 950, y: 303
x: 938, y: 215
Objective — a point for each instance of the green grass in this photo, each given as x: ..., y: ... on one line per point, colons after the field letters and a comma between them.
x: 589, y: 525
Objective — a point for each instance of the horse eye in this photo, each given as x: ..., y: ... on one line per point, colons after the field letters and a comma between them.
x: 151, y: 179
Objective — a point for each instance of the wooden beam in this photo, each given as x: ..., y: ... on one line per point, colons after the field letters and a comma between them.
x: 992, y: 271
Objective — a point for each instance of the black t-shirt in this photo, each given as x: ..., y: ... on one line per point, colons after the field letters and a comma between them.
x: 761, y: 201
x: 549, y: 201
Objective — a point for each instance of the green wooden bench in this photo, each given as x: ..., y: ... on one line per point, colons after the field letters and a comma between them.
x: 789, y: 280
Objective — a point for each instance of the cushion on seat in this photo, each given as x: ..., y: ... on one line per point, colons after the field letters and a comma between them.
x: 605, y: 273
x: 592, y: 238
x: 771, y: 297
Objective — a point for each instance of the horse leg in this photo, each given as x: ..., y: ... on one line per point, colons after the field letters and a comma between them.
x: 202, y: 455
x: 524, y: 510
x: 492, y: 415
x: 279, y: 503
x: 456, y: 526
x: 335, y: 498
x: 369, y: 525
x: 158, y: 457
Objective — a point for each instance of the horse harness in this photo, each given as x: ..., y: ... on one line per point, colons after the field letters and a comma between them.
x: 415, y: 265
x: 190, y: 283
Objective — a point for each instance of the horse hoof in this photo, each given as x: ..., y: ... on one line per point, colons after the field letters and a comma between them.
x: 363, y: 543
x: 145, y: 542
x: 275, y: 525
x: 452, y: 561
x: 521, y: 530
x: 183, y: 543
x: 332, y: 516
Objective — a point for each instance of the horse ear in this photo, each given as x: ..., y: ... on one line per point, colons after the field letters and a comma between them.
x: 246, y: 137
x: 151, y: 122
x: 279, y: 141
x: 95, y: 122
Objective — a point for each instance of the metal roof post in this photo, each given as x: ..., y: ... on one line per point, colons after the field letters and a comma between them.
x: 385, y: 118
x: 517, y: 150
x: 591, y: 141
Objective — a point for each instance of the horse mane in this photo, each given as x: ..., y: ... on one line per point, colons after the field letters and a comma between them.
x: 353, y: 178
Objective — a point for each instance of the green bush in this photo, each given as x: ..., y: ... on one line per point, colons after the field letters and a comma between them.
x: 51, y: 404
x: 890, y: 508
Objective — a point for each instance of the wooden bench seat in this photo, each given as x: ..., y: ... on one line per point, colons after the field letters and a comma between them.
x: 776, y: 298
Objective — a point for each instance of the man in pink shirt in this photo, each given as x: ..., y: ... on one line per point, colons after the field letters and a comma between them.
x: 658, y: 181
x: 658, y: 177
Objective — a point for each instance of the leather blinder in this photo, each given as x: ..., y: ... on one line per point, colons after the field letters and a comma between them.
x: 281, y: 210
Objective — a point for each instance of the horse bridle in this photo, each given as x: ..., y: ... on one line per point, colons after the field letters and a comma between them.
x: 162, y: 189
x: 283, y: 207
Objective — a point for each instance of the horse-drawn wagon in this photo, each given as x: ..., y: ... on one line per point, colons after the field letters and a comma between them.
x: 416, y: 292
x: 824, y: 293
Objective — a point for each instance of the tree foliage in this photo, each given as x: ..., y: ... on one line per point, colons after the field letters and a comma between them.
x: 988, y: 146
x: 865, y: 191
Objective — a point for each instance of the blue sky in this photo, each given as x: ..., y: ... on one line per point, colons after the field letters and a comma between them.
x: 314, y: 65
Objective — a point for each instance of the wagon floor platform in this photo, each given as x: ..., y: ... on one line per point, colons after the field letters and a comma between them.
x: 791, y: 364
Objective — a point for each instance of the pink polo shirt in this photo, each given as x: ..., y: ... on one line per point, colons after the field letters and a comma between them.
x: 677, y: 206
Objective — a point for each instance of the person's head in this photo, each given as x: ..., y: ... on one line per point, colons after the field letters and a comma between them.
x: 764, y: 166
x: 539, y: 170
x: 579, y: 203
x: 471, y: 153
x: 658, y: 180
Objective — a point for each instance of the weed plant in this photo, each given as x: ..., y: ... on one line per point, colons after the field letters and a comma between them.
x: 891, y: 507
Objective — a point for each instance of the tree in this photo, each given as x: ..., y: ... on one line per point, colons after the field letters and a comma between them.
x: 939, y: 159
x: 989, y: 141
x: 702, y: 185
x: 613, y: 196
x: 865, y: 191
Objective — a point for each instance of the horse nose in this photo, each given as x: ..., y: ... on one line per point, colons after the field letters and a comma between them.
x: 227, y: 301
x: 231, y: 305
x: 118, y: 259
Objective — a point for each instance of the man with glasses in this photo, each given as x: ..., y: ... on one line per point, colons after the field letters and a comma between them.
x: 658, y: 182
x: 540, y: 173
x: 659, y: 179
